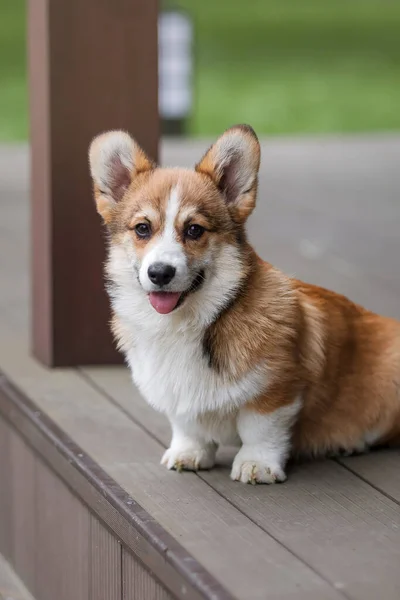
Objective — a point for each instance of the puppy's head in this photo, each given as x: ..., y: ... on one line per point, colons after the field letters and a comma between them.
x: 176, y: 232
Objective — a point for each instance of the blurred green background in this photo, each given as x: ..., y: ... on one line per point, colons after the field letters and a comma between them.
x: 13, y: 84
x: 285, y: 66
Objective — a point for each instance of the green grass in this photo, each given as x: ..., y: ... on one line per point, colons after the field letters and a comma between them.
x: 13, y: 84
x: 297, y: 66
x: 285, y: 66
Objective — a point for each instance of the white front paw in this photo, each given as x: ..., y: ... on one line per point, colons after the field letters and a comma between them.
x: 189, y: 459
x: 252, y: 467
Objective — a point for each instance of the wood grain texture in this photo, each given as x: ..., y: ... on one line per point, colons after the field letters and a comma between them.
x: 106, y: 79
x: 138, y: 584
x: 203, y: 522
x: 23, y: 464
x: 324, y: 514
x: 6, y: 508
x: 116, y: 383
x: 105, y: 563
x: 380, y: 468
x: 129, y: 522
x: 345, y: 529
x: 62, y: 540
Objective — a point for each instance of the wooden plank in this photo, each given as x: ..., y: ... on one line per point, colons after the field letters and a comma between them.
x: 324, y: 514
x: 380, y: 468
x: 131, y: 524
x: 116, y: 383
x: 348, y: 531
x: 138, y: 584
x: 6, y: 508
x: 105, y: 563
x: 106, y: 79
x: 23, y: 518
x: 11, y: 587
x: 204, y: 523
x: 62, y: 540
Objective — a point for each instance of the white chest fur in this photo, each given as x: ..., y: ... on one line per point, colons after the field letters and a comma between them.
x: 174, y: 376
x: 165, y: 352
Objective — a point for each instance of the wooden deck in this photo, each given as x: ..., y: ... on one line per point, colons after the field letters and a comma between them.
x: 87, y: 512
x: 11, y: 588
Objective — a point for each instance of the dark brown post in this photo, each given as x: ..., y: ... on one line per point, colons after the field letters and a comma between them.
x: 93, y: 67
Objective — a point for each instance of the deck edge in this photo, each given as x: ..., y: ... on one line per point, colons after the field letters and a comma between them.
x: 142, y: 535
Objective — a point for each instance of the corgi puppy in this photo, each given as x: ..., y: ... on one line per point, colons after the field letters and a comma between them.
x: 229, y: 348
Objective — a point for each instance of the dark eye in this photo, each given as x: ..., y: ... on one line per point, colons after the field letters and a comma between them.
x: 194, y: 232
x: 143, y: 230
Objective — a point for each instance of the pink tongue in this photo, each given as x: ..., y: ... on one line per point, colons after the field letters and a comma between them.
x: 164, y: 302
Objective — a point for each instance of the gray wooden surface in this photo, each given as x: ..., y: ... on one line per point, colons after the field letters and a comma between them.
x: 106, y: 567
x: 329, y: 212
x: 11, y: 587
x: 53, y: 543
x: 136, y: 582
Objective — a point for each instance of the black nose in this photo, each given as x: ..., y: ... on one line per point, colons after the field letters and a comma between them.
x: 161, y: 274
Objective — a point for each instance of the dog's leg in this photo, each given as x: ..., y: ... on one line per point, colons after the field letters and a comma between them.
x: 190, y: 449
x: 266, y: 444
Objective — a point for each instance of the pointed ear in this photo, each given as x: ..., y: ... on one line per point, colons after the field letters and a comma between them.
x: 232, y: 163
x: 115, y: 159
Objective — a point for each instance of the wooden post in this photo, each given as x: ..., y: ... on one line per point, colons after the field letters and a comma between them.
x: 92, y: 67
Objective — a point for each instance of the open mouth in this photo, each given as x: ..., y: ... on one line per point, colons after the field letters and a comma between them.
x: 166, y: 302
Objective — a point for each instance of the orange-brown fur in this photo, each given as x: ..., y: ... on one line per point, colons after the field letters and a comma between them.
x: 341, y: 358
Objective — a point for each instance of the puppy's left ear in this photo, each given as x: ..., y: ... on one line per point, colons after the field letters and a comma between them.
x: 233, y: 163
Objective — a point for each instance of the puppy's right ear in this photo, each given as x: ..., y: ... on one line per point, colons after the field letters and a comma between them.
x: 115, y: 159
